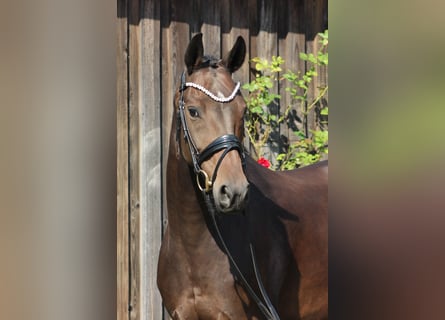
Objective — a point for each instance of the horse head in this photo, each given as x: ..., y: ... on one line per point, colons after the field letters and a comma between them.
x: 210, y: 110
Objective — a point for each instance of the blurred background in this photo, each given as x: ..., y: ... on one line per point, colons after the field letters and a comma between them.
x: 387, y: 191
x: 58, y: 159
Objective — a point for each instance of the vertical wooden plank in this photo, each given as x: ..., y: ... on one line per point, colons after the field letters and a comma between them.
x: 166, y: 100
x: 123, y: 290
x: 253, y: 29
x: 316, y: 12
x: 310, y: 24
x: 253, y: 52
x: 195, y: 19
x: 134, y: 172
x: 150, y: 155
x: 226, y: 26
x: 320, y: 24
x: 234, y: 23
x: 292, y: 41
x: 321, y: 82
x: 145, y: 158
x: 175, y: 38
x: 266, y: 47
x: 134, y: 177
x: 210, y: 14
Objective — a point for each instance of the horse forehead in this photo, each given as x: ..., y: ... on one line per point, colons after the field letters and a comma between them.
x: 217, y: 80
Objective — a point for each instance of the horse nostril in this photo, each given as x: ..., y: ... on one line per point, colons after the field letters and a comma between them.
x: 231, y: 198
x: 225, y: 196
x: 225, y: 190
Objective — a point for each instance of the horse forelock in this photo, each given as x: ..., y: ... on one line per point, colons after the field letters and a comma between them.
x: 207, y: 61
x: 214, y: 76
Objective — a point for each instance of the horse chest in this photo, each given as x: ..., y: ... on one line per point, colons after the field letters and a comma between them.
x: 208, y: 297
x: 201, y: 286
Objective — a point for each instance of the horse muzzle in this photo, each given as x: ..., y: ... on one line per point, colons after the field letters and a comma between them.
x: 230, y: 188
x: 230, y: 199
x: 228, y: 182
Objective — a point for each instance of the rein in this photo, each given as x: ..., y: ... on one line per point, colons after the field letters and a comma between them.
x: 227, y: 143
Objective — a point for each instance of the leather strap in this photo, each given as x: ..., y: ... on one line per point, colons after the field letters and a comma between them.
x: 227, y: 141
x: 268, y: 310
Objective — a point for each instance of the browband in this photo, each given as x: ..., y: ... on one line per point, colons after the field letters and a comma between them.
x: 211, y: 95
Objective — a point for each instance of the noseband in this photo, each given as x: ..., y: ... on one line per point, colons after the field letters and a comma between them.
x: 227, y: 142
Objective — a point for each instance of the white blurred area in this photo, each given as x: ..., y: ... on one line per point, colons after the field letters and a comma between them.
x: 57, y: 160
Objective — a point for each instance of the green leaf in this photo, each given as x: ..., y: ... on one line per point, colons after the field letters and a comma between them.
x: 258, y: 110
x: 300, y: 134
x: 312, y: 58
x: 268, y: 84
x: 302, y: 84
x: 323, y: 58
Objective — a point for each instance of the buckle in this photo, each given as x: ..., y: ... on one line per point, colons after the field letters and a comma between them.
x: 203, y: 181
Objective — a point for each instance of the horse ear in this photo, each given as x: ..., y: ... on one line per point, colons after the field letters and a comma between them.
x: 235, y: 58
x: 194, y: 52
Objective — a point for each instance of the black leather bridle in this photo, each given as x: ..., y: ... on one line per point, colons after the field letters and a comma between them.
x: 227, y: 142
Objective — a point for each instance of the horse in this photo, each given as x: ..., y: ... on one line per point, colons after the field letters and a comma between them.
x: 242, y: 241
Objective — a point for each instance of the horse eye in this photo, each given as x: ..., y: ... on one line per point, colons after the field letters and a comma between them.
x: 193, y: 112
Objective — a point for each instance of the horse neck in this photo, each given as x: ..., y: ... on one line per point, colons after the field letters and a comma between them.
x: 185, y: 216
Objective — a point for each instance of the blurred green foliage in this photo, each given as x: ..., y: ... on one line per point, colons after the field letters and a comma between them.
x: 311, y: 144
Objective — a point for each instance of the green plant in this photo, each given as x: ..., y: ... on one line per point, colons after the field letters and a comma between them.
x: 262, y: 117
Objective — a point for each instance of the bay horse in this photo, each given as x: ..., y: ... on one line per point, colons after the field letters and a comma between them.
x: 242, y: 241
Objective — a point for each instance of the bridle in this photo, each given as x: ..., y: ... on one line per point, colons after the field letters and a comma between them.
x: 227, y: 142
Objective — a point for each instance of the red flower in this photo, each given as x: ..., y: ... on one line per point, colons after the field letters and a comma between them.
x: 264, y: 162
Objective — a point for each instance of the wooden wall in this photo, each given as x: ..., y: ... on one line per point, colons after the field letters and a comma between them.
x: 152, y: 36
